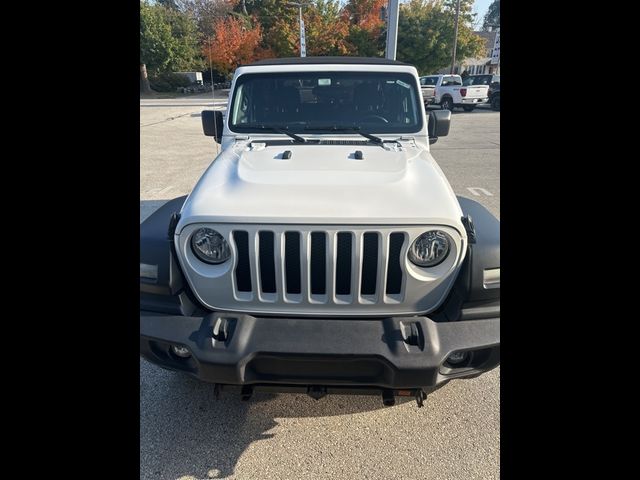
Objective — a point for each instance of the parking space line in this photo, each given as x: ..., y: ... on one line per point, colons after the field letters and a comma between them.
x: 483, y: 191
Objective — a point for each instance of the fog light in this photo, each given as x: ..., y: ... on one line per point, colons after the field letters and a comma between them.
x: 182, y: 352
x: 457, y: 358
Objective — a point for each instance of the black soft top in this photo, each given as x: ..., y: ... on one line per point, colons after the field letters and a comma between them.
x: 326, y: 60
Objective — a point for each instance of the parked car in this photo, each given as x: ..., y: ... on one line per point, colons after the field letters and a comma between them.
x: 493, y: 81
x: 428, y: 87
x: 481, y: 79
x: 323, y: 250
x: 450, y: 93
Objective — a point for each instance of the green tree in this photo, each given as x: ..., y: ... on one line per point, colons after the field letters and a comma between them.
x: 326, y: 29
x: 492, y: 17
x: 279, y: 23
x: 168, y: 39
x: 367, y: 30
x: 207, y: 12
x: 426, y: 30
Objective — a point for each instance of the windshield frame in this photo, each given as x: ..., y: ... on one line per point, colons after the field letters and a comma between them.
x: 404, y: 76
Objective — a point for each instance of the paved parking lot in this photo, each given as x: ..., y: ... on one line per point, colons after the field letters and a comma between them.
x: 186, y: 434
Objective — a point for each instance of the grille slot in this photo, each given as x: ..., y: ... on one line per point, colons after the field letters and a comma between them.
x: 292, y: 262
x: 267, y: 263
x: 343, y: 263
x: 394, y: 269
x: 318, y: 263
x: 369, y: 263
x: 243, y: 270
x: 330, y: 266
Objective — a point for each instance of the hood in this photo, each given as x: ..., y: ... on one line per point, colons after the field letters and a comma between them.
x: 324, y: 184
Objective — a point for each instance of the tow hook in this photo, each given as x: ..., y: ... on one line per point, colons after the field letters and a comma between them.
x: 220, y: 330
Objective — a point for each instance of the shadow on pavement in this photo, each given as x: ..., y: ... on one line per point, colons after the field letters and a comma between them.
x: 147, y: 207
x: 479, y: 109
x: 185, y: 433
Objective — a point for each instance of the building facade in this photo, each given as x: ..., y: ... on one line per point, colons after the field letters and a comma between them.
x: 480, y: 65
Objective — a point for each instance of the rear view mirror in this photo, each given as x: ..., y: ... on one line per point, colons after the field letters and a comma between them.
x: 212, y: 124
x: 438, y: 126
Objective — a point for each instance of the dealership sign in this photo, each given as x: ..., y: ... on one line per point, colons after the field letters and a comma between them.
x: 495, y: 54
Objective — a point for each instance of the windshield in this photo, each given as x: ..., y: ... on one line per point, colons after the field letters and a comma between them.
x: 315, y: 102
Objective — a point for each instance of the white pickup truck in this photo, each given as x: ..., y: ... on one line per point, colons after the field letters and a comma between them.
x: 449, y: 92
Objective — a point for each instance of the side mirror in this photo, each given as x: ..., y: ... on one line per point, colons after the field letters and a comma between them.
x: 438, y: 126
x: 212, y: 124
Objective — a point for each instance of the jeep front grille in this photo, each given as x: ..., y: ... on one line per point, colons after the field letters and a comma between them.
x: 319, y: 270
x: 318, y: 266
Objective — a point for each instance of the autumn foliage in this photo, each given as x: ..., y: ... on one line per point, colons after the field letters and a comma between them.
x: 235, y: 42
x: 187, y: 34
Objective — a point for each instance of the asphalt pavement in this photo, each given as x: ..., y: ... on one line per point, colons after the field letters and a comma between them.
x: 186, y: 434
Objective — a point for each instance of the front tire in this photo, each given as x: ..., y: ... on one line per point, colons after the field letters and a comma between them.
x: 469, y: 108
x: 446, y: 104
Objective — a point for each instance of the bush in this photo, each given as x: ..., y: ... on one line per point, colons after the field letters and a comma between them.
x: 168, y: 82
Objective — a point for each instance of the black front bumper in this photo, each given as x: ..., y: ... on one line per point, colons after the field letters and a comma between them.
x: 388, y: 353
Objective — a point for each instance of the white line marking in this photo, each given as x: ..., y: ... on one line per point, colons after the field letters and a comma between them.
x: 484, y: 191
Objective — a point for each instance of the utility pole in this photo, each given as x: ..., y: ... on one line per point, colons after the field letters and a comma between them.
x: 303, y: 41
x: 455, y: 38
x: 392, y: 29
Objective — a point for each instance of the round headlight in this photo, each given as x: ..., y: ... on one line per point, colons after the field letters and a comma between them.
x: 430, y: 248
x: 209, y: 246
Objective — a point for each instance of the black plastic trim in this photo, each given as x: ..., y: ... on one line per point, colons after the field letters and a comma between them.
x: 469, y: 299
x: 305, y: 351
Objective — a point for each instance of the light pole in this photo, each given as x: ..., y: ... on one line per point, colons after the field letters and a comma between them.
x: 303, y: 41
x: 455, y: 38
x: 392, y: 29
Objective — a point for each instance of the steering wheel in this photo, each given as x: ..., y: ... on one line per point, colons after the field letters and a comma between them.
x: 378, y: 118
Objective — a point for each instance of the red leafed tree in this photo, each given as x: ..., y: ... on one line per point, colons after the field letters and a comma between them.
x: 234, y: 42
x: 366, y: 13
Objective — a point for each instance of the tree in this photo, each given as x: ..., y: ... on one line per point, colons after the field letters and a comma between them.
x: 426, y: 30
x: 206, y: 12
x: 326, y: 29
x: 367, y: 30
x: 492, y: 17
x: 144, y: 79
x: 279, y: 23
x: 168, y: 39
x: 234, y: 43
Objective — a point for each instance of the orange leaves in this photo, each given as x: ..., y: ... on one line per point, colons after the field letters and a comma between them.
x: 366, y: 13
x: 235, y: 42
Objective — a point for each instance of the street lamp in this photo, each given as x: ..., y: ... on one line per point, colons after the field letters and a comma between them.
x: 455, y: 38
x: 303, y: 42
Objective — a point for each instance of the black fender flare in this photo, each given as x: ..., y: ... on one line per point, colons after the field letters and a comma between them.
x: 469, y: 297
x: 168, y: 292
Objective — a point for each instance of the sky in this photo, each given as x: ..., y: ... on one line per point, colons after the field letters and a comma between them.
x: 480, y: 7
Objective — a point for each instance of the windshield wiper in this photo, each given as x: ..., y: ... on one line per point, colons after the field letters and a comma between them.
x: 276, y: 129
x: 346, y: 128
